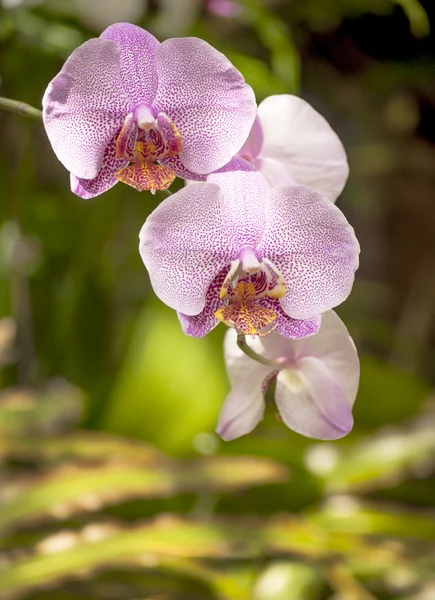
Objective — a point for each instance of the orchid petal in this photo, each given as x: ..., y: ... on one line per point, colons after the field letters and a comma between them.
x: 252, y: 146
x: 89, y: 188
x: 311, y: 402
x: 243, y: 408
x: 138, y: 60
x: 302, y: 141
x: 245, y: 193
x: 174, y: 163
x: 84, y: 106
x: 184, y: 244
x: 207, y: 99
x: 288, y: 327
x: 334, y: 347
x: 201, y: 324
x: 310, y: 242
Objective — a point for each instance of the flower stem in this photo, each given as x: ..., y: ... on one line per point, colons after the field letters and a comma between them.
x: 269, y: 362
x: 20, y: 108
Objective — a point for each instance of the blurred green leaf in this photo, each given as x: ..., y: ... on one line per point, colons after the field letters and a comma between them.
x: 346, y: 514
x: 417, y: 16
x: 277, y: 38
x: 283, y: 580
x: 100, y: 545
x: 71, y: 489
x: 56, y: 406
x: 170, y: 387
x: 387, y: 394
x: 381, y: 460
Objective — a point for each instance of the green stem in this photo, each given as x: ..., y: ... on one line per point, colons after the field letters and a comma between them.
x: 166, y: 193
x: 20, y: 108
x: 269, y: 362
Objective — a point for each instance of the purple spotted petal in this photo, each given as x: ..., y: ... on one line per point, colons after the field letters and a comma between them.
x: 201, y: 324
x: 245, y: 191
x: 184, y: 244
x: 288, y: 327
x: 207, y: 99
x: 311, y: 402
x: 89, y: 188
x: 309, y: 240
x: 138, y: 60
x: 84, y: 106
x: 174, y: 163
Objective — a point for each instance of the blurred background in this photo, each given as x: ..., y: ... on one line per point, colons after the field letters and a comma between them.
x: 112, y: 482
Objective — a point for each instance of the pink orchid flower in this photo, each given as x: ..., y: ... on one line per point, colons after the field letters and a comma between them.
x: 257, y: 259
x: 127, y: 108
x: 292, y: 144
x: 316, y: 382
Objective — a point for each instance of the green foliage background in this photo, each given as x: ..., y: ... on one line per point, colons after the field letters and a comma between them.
x: 112, y: 482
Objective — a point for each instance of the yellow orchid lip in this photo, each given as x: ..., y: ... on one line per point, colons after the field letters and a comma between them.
x: 244, y: 312
x: 143, y: 148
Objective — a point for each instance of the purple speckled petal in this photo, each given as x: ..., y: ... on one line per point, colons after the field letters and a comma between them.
x: 201, y: 324
x: 84, y: 106
x: 300, y: 140
x: 174, y: 163
x: 288, y: 327
x: 207, y: 99
x: 245, y: 191
x: 310, y: 242
x: 184, y: 244
x: 89, y: 188
x: 311, y: 402
x: 138, y: 60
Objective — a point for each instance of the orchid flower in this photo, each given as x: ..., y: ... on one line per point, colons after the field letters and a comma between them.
x: 292, y: 144
x: 316, y: 382
x: 257, y: 259
x: 123, y: 102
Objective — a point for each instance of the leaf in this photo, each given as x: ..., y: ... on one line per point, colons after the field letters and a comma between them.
x: 170, y: 387
x: 283, y: 580
x: 69, y: 554
x: 345, y: 514
x: 23, y: 411
x: 390, y: 393
x: 175, y: 543
x: 88, y: 447
x: 417, y: 15
x: 71, y: 489
x: 277, y: 37
x: 381, y: 460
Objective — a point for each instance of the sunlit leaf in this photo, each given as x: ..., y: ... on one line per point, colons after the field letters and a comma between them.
x: 171, y: 386
x: 381, y: 460
x: 345, y: 514
x: 71, y: 489
x: 54, y: 407
x: 283, y: 580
